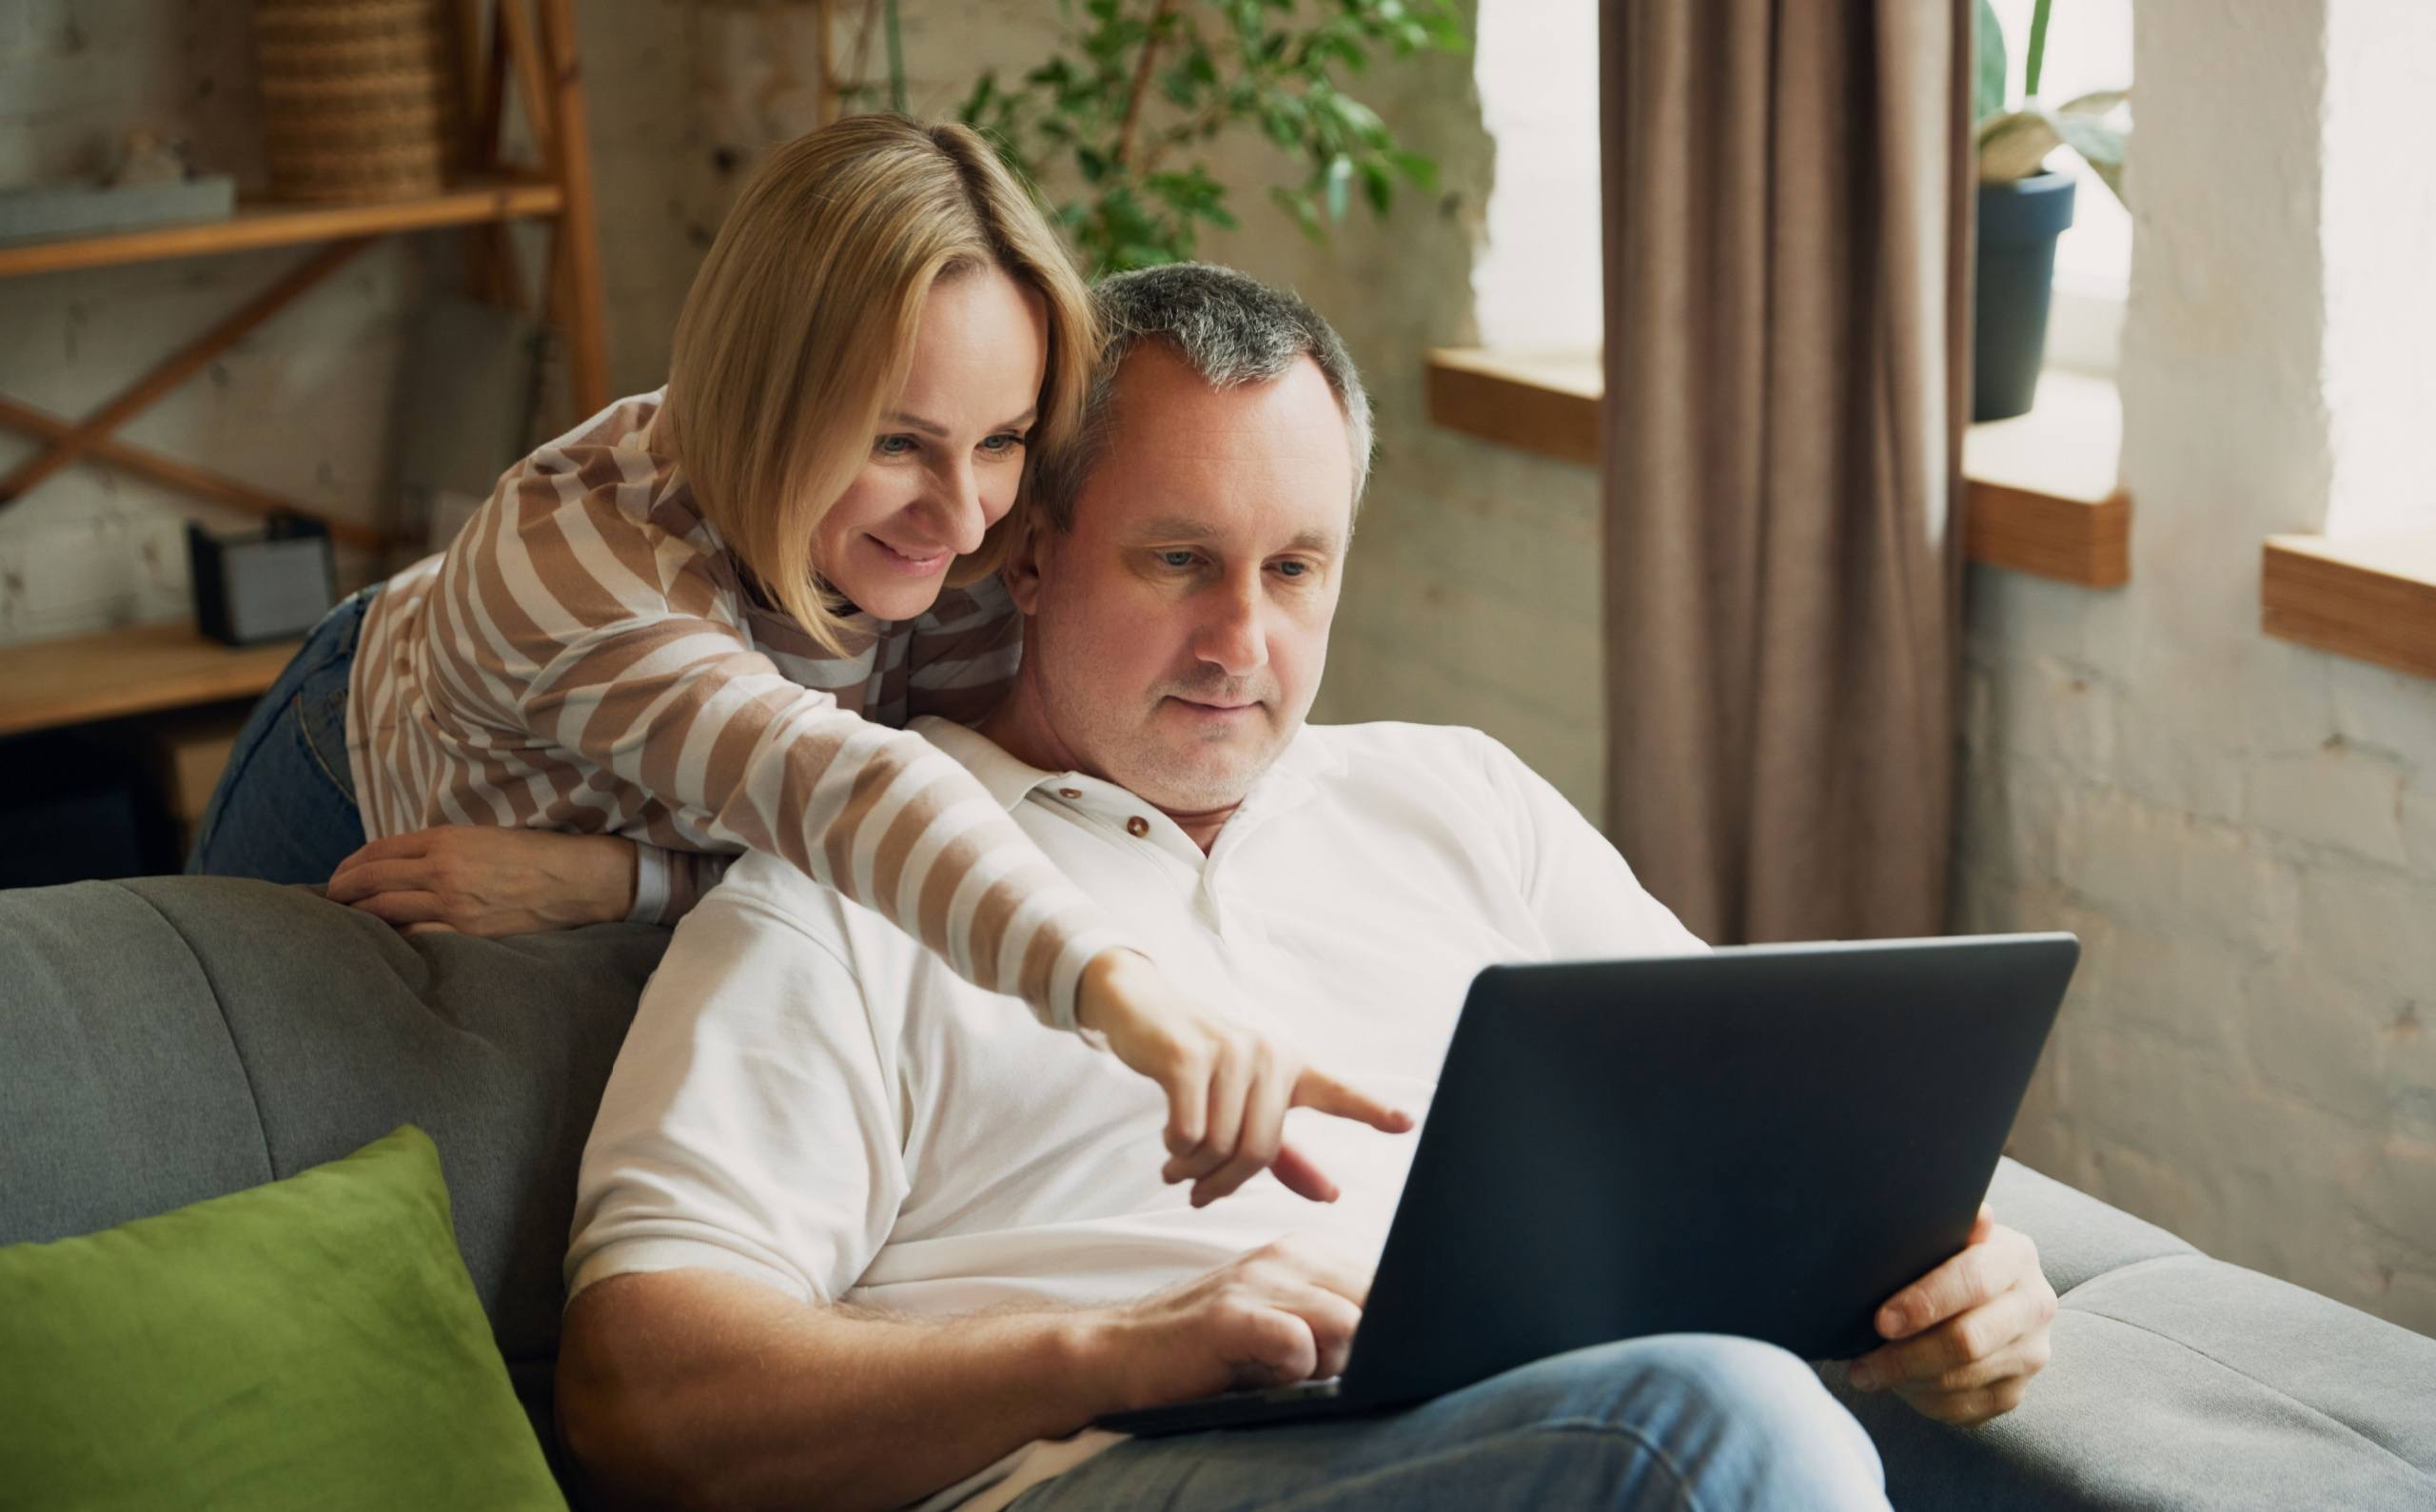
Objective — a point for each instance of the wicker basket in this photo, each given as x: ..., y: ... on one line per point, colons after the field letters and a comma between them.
x: 359, y: 98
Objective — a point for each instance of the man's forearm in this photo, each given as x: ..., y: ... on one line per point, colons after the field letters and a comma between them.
x: 696, y: 1389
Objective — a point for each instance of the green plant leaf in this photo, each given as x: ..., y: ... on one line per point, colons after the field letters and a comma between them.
x: 1416, y: 169
x: 1306, y: 212
x: 896, y: 44
x: 1282, y: 117
x: 2037, y: 64
x: 2096, y: 103
x: 1354, y: 118
x: 1990, y: 91
x: 2099, y: 145
x: 1218, y: 67
x: 1446, y: 31
x: 2013, y: 147
x: 984, y: 89
x: 1377, y: 186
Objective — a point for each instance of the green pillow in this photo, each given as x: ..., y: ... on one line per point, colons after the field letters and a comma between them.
x: 312, y: 1343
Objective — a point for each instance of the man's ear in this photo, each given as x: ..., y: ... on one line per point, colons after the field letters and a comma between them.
x: 1023, y: 569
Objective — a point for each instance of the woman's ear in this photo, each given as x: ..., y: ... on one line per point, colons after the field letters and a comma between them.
x: 1022, y: 572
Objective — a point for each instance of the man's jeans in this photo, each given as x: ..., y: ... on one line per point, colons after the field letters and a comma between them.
x: 285, y: 809
x: 1698, y: 1422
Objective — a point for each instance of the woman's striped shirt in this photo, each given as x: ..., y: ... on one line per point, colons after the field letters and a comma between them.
x: 588, y: 657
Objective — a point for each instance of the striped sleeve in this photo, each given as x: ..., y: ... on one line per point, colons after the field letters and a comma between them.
x: 964, y: 654
x: 669, y: 883
x: 585, y: 629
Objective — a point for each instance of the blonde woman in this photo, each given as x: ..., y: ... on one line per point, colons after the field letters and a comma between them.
x: 696, y: 624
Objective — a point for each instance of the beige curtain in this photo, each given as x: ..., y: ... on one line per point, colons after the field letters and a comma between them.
x: 1788, y: 200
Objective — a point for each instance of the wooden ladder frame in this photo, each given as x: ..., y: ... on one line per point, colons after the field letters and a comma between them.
x: 532, y: 40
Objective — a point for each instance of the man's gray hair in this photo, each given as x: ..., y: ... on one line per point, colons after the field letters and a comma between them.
x: 1229, y: 327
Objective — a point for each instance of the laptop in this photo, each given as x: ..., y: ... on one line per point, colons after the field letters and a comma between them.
x: 1767, y: 1140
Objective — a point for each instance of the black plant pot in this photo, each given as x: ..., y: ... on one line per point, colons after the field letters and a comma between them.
x: 2018, y: 225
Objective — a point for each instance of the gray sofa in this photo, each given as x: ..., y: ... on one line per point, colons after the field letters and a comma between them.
x: 168, y: 1040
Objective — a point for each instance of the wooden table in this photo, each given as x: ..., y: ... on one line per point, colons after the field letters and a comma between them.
x: 141, y: 669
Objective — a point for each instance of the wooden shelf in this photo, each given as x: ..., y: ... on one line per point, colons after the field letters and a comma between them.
x: 139, y: 669
x: 1547, y: 405
x: 2372, y: 599
x: 262, y: 225
x: 2043, y: 495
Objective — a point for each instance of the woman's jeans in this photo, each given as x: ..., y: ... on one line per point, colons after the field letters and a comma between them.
x: 285, y: 809
x: 1686, y: 1422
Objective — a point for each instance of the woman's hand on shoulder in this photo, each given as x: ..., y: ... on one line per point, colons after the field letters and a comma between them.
x: 1228, y: 1085
x: 489, y: 880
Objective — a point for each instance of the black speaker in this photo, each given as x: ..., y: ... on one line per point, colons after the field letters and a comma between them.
x: 263, y: 585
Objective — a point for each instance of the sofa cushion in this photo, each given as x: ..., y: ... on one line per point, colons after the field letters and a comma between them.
x: 313, y: 1342
x: 2078, y: 1236
x: 175, y: 1038
x: 121, y: 1093
x: 2176, y: 1381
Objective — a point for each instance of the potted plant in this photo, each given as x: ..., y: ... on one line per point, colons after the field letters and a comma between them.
x: 2023, y: 208
x: 1118, y: 119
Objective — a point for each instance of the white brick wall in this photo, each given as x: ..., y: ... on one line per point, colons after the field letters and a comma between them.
x: 2243, y: 832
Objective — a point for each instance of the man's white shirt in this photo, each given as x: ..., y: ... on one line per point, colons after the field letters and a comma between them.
x: 811, y: 1099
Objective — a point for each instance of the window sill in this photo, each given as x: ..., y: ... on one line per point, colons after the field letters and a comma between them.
x: 2373, y: 598
x: 1546, y: 403
x: 2043, y: 493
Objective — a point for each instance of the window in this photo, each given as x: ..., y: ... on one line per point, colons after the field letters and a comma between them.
x: 1536, y: 286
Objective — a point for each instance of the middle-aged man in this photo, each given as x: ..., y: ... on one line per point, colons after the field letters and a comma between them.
x: 850, y: 1233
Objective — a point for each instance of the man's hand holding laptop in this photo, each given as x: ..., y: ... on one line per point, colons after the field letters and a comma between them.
x: 1271, y: 1316
x: 1966, y: 1338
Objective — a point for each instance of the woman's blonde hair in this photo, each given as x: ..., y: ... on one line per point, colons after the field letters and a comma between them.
x: 799, y: 330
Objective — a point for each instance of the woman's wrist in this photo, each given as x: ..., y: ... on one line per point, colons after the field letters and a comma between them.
x: 1105, y: 973
x: 621, y: 872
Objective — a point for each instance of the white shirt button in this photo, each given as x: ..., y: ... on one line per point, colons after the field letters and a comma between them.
x: 1138, y: 827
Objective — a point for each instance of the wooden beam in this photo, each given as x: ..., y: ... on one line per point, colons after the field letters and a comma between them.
x: 178, y: 368
x: 532, y: 76
x: 465, y: 30
x: 200, y: 482
x: 576, y: 250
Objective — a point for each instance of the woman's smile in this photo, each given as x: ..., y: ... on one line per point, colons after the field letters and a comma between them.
x: 913, y: 562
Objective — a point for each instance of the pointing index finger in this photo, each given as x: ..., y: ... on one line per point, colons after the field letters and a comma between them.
x: 1318, y: 1091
